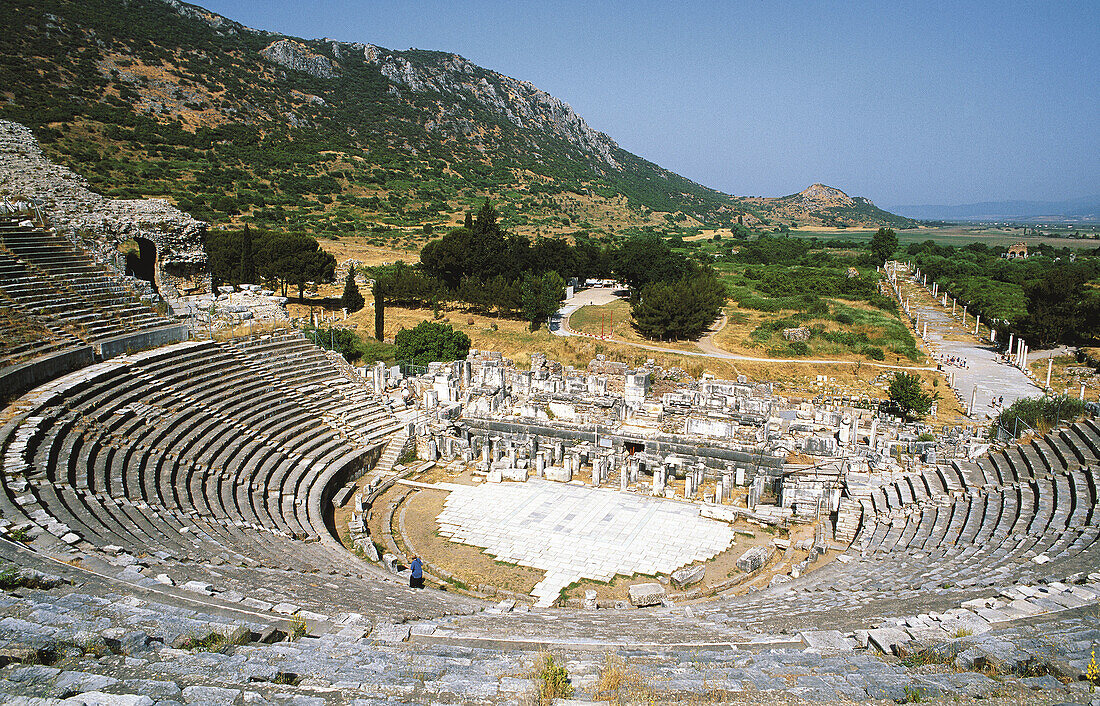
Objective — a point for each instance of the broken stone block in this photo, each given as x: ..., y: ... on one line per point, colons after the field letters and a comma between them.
x: 518, y: 475
x: 888, y: 640
x: 125, y: 642
x: 367, y: 547
x: 389, y: 633
x: 827, y: 641
x: 202, y: 587
x: 689, y: 575
x: 753, y: 559
x: 646, y: 594
x: 590, y: 602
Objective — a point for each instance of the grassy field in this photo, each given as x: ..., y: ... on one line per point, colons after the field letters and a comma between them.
x: 959, y: 235
x: 615, y: 318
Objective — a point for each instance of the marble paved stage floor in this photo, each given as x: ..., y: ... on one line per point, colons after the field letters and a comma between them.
x: 575, y: 531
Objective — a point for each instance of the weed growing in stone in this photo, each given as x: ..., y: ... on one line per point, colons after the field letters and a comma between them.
x: 297, y: 628
x: 213, y: 641
x: 619, y: 684
x: 551, y: 679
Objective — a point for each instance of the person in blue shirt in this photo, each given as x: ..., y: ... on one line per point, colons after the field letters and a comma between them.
x: 416, y: 579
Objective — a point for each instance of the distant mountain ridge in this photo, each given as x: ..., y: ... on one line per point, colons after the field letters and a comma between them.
x: 1081, y: 210
x: 164, y: 98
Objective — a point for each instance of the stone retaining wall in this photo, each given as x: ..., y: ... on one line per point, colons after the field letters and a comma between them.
x: 141, y: 340
x: 17, y: 379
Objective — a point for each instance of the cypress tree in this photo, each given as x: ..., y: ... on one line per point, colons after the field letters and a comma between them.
x: 351, y: 300
x: 379, y: 312
x: 248, y: 261
x: 469, y: 222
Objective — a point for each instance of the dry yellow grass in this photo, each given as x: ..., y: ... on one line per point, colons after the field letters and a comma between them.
x: 358, y: 248
x: 1060, y: 378
x: 515, y: 340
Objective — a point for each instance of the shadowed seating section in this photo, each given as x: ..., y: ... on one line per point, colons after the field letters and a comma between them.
x: 24, y: 335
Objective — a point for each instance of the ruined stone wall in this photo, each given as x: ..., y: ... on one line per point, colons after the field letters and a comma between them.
x: 71, y: 207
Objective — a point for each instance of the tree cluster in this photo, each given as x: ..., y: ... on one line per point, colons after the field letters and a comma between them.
x: 681, y: 309
x: 484, y: 250
x: 883, y: 244
x: 672, y: 297
x: 285, y: 259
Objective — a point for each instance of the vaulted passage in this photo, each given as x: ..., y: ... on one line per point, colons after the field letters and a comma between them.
x: 142, y: 263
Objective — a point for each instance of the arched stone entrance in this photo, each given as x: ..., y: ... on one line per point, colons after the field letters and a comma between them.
x: 143, y: 263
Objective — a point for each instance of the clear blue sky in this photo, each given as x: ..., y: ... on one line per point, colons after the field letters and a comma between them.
x: 902, y: 102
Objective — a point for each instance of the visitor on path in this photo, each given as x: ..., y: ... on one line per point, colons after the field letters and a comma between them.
x: 416, y: 578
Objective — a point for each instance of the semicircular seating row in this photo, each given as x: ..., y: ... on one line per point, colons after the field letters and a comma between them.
x: 1029, y: 509
x: 192, y: 451
x: 1025, y: 514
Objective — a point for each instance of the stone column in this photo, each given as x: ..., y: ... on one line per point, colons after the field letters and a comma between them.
x: 952, y: 307
x: 973, y: 399
x: 540, y: 464
x: 1050, y: 364
x: 622, y: 479
x: 977, y: 323
x: 1011, y: 340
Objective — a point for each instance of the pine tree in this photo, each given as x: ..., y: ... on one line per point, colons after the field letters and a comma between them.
x: 352, y: 300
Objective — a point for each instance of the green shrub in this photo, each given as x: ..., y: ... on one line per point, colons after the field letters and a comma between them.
x: 1039, y: 413
x: 874, y: 352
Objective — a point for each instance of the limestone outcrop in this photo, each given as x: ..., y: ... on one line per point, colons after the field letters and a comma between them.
x: 297, y: 56
x: 517, y: 101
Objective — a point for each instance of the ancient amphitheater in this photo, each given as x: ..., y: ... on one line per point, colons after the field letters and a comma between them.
x: 159, y: 489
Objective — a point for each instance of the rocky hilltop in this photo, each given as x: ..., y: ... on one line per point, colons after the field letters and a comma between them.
x: 70, y: 206
x: 821, y: 205
x: 163, y: 98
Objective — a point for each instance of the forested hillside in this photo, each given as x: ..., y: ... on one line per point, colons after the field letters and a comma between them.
x: 161, y: 98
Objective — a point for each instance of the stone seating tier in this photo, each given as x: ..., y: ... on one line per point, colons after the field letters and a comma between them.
x: 48, y: 278
x: 1012, y: 524
x: 160, y: 459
